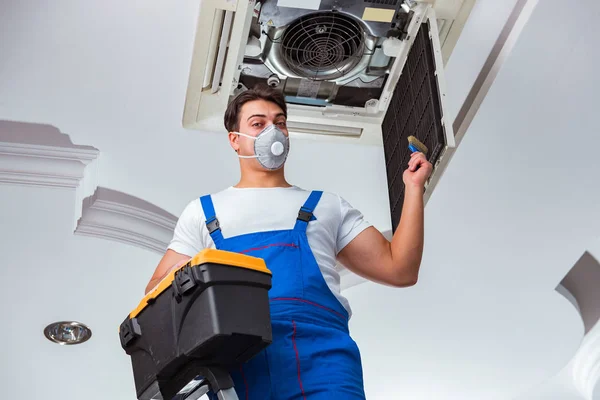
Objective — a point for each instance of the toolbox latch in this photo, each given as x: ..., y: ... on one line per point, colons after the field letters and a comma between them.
x: 184, y: 282
x: 129, y: 331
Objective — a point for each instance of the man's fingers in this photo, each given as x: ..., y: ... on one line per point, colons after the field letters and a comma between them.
x: 417, y: 156
x: 411, y: 164
x: 180, y: 263
x: 416, y: 159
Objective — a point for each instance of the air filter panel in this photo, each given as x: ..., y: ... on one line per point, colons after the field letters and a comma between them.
x: 415, y: 110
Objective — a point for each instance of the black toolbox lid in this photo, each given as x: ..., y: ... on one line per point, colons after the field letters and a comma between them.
x: 206, y: 256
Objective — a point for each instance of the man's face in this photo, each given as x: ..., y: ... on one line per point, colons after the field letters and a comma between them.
x: 254, y: 117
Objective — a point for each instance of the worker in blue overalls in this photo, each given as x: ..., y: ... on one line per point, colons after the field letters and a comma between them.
x: 301, y: 235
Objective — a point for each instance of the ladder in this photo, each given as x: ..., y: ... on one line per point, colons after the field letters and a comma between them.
x: 216, y: 380
x: 199, y: 387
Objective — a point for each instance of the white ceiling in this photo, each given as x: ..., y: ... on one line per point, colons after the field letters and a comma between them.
x: 514, y: 211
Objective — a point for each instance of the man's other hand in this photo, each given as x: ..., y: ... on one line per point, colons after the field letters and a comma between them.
x: 418, y: 171
x: 170, y: 261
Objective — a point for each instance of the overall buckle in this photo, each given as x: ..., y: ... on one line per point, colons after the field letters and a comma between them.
x: 304, y: 215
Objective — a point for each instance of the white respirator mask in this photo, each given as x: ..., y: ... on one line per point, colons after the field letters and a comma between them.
x: 271, y: 147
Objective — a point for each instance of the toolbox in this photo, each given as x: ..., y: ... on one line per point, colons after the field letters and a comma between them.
x: 200, y: 320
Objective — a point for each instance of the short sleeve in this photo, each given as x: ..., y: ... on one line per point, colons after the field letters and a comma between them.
x: 352, y: 223
x: 186, y: 237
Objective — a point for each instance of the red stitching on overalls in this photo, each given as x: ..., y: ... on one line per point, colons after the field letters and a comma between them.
x: 245, y: 382
x: 309, y: 302
x: 270, y: 245
x: 297, y: 359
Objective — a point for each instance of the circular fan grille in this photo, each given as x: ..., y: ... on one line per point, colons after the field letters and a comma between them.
x: 323, y: 45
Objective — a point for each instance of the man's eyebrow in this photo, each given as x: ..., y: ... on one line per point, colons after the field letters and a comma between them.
x: 257, y: 115
x: 264, y: 116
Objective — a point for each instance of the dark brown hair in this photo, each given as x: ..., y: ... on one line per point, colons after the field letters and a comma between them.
x: 259, y: 92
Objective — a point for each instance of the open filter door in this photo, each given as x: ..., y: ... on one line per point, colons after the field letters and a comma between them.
x: 417, y: 108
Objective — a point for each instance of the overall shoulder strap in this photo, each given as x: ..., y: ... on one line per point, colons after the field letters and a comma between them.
x: 306, y: 211
x: 212, y: 223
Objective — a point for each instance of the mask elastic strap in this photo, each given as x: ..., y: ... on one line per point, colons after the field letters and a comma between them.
x: 243, y: 134
x: 249, y: 137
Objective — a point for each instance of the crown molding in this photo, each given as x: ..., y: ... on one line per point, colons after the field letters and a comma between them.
x: 564, y: 292
x: 585, y: 366
x: 46, y: 166
x: 40, y: 155
x: 113, y: 215
x: 594, y: 249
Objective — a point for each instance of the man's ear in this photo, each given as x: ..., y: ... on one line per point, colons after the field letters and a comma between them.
x: 234, y: 141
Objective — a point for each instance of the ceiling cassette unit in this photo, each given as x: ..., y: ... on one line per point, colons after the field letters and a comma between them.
x: 366, y: 72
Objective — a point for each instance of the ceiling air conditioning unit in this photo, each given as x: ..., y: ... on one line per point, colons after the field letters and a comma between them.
x: 362, y: 71
x: 338, y: 62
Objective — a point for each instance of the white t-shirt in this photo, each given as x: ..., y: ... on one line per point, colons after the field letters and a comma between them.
x: 249, y: 210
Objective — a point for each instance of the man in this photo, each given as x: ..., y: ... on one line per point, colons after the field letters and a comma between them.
x: 300, y: 235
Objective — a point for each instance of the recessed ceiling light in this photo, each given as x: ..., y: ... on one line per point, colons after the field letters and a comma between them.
x: 67, y: 332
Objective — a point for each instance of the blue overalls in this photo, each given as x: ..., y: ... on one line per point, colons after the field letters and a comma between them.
x: 312, y: 355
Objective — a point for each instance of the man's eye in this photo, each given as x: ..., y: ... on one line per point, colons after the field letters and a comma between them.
x: 256, y: 124
x: 281, y: 123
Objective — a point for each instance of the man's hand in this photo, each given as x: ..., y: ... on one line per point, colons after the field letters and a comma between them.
x: 418, y: 171
x: 170, y: 261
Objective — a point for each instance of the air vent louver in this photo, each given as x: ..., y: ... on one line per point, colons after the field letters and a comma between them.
x: 414, y: 110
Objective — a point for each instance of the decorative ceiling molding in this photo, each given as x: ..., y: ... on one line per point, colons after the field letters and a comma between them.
x: 582, y: 283
x: 40, y: 155
x: 594, y: 249
x: 564, y: 292
x: 113, y: 215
